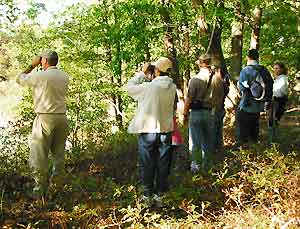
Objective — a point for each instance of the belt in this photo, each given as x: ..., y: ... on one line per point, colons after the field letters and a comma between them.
x: 197, y: 105
x: 201, y: 108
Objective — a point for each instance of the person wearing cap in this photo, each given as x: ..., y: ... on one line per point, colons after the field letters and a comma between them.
x: 153, y: 122
x: 249, y: 109
x: 50, y: 126
x: 204, y: 98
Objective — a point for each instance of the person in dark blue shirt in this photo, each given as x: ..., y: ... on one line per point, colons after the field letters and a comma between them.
x: 250, y: 108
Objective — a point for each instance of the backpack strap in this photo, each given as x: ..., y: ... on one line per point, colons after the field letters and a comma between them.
x: 209, y: 81
x: 208, y: 84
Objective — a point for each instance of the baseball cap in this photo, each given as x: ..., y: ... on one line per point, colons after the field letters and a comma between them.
x: 163, y: 64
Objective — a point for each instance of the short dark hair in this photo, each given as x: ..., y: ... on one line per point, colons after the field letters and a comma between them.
x: 253, y: 54
x: 51, y: 57
x: 283, y: 68
x: 52, y: 60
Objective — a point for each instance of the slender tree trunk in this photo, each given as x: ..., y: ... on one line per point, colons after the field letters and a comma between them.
x: 257, y: 14
x: 203, y: 28
x: 116, y: 77
x: 170, y: 49
x: 75, y: 141
x: 203, y: 35
x: 215, y: 45
x: 147, y: 52
x: 186, y: 45
x: 118, y: 98
x: 114, y: 97
x: 147, y: 55
x: 212, y: 33
x: 237, y: 46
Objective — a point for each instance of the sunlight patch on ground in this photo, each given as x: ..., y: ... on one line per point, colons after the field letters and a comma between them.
x: 10, y: 98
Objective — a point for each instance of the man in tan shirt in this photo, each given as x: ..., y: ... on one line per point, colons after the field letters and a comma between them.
x: 203, y: 102
x: 50, y: 127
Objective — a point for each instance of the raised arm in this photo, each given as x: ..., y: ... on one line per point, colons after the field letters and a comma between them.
x: 24, y: 78
x: 136, y: 85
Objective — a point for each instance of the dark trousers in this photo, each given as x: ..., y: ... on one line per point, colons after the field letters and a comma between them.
x: 219, y: 124
x: 279, y: 105
x: 248, y: 126
x: 155, y: 153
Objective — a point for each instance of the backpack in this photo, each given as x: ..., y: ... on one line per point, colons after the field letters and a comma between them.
x: 257, y: 87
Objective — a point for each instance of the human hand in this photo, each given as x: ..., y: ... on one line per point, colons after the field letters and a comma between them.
x: 145, y: 67
x: 148, y: 70
x: 36, y: 61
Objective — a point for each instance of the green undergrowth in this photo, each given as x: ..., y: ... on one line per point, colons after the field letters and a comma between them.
x: 257, y: 187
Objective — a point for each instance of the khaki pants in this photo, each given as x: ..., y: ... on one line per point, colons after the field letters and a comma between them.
x: 49, y: 134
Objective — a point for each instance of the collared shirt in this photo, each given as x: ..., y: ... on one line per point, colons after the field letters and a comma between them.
x: 248, y: 73
x: 155, y: 99
x: 49, y: 89
x: 280, y: 86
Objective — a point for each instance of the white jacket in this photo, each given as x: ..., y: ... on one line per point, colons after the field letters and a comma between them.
x: 280, y: 86
x: 155, y: 104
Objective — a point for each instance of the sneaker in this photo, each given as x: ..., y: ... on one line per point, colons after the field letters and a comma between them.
x: 194, y: 167
x: 157, y: 201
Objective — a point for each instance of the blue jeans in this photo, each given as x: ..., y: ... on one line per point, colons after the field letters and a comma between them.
x: 201, y: 134
x: 155, y: 157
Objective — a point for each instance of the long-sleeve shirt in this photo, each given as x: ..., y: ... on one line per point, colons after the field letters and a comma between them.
x: 249, y: 74
x: 49, y: 89
x: 280, y: 87
x: 155, y: 99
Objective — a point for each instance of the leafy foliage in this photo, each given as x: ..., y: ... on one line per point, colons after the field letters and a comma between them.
x: 100, y: 46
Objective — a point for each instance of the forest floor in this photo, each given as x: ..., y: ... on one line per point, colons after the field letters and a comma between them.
x: 257, y: 187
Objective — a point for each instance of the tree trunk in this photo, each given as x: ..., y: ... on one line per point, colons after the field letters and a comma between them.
x: 215, y: 48
x: 237, y: 46
x: 147, y: 52
x: 118, y: 98
x: 117, y: 74
x: 187, y: 72
x: 170, y: 49
x: 203, y: 35
x: 257, y: 14
x: 75, y: 140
